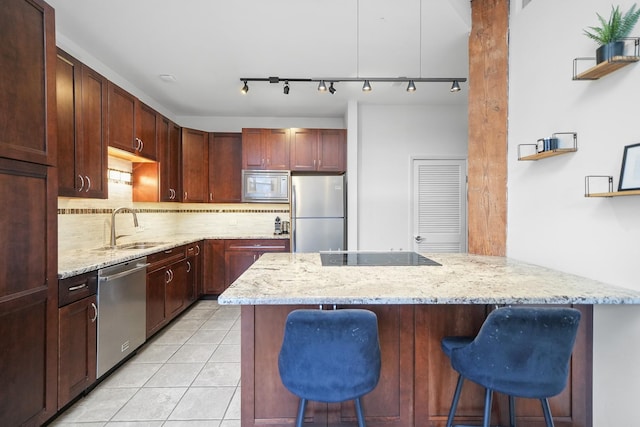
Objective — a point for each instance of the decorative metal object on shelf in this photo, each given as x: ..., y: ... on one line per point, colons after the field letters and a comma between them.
x: 612, y: 64
x: 549, y: 147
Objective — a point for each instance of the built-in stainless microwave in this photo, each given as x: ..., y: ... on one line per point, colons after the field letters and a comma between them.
x: 265, y: 186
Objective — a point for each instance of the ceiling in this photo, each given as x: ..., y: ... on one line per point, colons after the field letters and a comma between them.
x: 208, y: 45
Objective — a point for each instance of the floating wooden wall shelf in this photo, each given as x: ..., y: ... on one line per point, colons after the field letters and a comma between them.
x: 549, y: 153
x: 607, y: 67
x: 609, y: 193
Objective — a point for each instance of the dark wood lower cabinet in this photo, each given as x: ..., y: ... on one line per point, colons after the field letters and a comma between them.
x: 417, y: 381
x: 77, y: 346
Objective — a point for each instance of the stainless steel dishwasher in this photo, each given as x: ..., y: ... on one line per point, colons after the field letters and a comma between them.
x: 122, y: 316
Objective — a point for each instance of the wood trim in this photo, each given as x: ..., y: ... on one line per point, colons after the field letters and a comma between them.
x: 488, y: 112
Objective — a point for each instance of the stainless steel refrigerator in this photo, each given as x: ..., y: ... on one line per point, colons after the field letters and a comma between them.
x: 318, y: 213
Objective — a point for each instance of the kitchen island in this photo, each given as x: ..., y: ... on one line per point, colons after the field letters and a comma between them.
x: 416, y: 307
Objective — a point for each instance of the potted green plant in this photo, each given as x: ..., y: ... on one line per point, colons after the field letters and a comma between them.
x: 610, y: 34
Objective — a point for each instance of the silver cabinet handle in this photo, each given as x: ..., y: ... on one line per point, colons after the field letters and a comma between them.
x: 81, y: 182
x: 124, y: 273
x: 211, y: 197
x: 168, y: 278
x: 188, y: 267
x: 95, y: 312
x: 197, y: 250
x: 185, y: 196
x: 141, y: 145
x: 76, y: 288
x: 88, y: 183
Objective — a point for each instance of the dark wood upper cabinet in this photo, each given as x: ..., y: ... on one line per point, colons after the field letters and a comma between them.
x: 304, y: 149
x: 169, y: 156
x: 265, y: 149
x: 318, y: 150
x: 122, y: 119
x: 195, y: 172
x: 82, y: 130
x: 27, y: 102
x: 225, y: 167
x: 28, y: 190
x: 147, y: 131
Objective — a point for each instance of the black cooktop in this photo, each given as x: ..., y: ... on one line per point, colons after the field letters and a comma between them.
x: 341, y: 259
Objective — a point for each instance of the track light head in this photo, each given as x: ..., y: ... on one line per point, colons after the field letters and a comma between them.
x: 245, y: 88
x: 332, y: 89
x: 322, y: 87
x: 367, y: 86
x: 455, y: 87
x: 286, y: 87
x: 411, y: 87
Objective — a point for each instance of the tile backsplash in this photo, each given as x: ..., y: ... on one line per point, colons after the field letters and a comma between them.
x: 86, y: 223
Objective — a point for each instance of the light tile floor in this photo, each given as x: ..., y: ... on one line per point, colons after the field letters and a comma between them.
x: 188, y: 375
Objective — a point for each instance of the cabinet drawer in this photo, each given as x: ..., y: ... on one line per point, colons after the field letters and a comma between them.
x: 194, y: 249
x: 77, y: 287
x: 160, y: 259
x: 259, y: 245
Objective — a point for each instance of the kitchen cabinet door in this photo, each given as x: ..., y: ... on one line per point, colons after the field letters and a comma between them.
x: 147, y: 131
x: 276, y: 148
x: 122, y: 119
x: 252, y: 149
x: 82, y: 129
x: 175, y: 289
x: 332, y: 150
x: 170, y: 163
x: 214, y: 277
x: 156, y: 281
x: 77, y: 348
x: 304, y: 149
x: 225, y: 167
x: 195, y: 172
x: 27, y: 89
x: 194, y: 271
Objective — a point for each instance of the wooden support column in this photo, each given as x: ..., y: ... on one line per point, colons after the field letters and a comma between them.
x: 488, y: 113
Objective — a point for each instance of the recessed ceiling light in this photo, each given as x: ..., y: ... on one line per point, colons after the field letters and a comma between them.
x: 169, y: 78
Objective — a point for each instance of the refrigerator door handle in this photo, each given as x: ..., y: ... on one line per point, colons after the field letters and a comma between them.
x: 293, y: 217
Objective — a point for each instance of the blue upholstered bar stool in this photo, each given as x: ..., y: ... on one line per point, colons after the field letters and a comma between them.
x: 330, y: 356
x: 519, y: 351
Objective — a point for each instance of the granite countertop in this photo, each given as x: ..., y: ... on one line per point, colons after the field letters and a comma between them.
x: 295, y: 278
x: 74, y: 262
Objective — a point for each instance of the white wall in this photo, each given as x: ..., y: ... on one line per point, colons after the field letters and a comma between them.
x: 550, y: 222
x: 389, y: 137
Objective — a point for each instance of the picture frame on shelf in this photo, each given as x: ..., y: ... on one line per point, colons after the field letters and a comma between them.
x: 630, y: 171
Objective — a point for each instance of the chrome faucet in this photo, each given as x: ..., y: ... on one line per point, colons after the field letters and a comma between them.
x: 112, y: 243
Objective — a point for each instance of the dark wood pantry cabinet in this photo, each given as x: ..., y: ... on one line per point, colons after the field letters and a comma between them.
x: 81, y: 95
x: 28, y: 190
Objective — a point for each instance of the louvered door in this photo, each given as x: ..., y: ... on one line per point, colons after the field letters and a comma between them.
x: 439, y: 206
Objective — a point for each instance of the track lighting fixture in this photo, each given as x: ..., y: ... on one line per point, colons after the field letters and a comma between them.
x: 322, y: 86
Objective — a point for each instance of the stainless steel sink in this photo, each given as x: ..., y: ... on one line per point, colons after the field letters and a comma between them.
x: 131, y: 246
x: 140, y: 245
